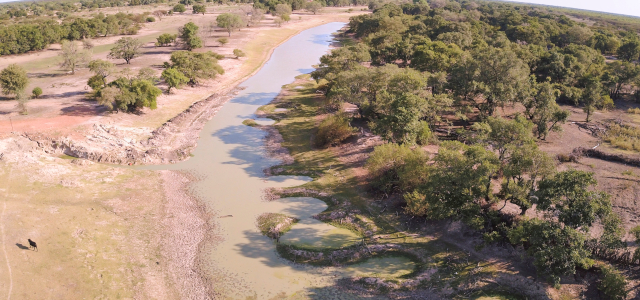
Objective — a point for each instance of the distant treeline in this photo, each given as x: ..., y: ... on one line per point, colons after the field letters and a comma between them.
x: 21, y: 38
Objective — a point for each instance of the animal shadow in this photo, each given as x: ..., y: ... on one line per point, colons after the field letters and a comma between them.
x: 23, y: 247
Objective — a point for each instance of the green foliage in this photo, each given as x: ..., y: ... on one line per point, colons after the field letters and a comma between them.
x: 274, y: 225
x: 612, y: 283
x: 126, y: 48
x: 223, y: 41
x: 543, y: 110
x: 313, y: 6
x: 557, y: 250
x: 199, y: 9
x: 150, y: 19
x: 425, y: 136
x: 457, y: 185
x: 96, y: 82
x: 36, y: 92
x: 230, y: 22
x: 238, y: 53
x: 102, y: 69
x: 73, y: 56
x: 179, y: 8
x: 623, y: 137
x: 635, y: 231
x: 567, y: 195
x: 630, y: 50
x: 173, y: 78
x: 196, y: 66
x: 282, y: 10
x: 397, y: 168
x: 189, y: 36
x: 166, y: 39
x: 128, y: 95
x: 333, y: 130
x: 38, y: 33
x: 13, y: 80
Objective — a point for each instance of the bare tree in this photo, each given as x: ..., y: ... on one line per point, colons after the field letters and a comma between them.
x: 73, y: 56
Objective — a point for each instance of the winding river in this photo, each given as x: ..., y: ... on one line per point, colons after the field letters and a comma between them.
x: 230, y: 159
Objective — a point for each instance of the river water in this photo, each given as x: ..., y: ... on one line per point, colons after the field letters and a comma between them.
x: 230, y: 159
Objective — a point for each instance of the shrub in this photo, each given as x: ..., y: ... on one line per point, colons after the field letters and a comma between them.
x: 36, y: 92
x: 564, y: 158
x: 166, y: 39
x: 623, y: 137
x: 612, y: 284
x: 425, y: 136
x: 274, y: 225
x: 150, y: 19
x: 333, y: 130
x: 223, y: 41
x: 238, y: 53
x: 179, y: 8
x: 394, y: 167
x: 250, y: 122
x: 634, y: 111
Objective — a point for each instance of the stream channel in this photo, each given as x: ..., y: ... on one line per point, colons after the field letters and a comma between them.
x: 230, y: 159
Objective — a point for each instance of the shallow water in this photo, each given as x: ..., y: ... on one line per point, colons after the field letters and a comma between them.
x: 230, y: 159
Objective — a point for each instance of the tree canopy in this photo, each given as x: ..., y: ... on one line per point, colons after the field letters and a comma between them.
x: 126, y: 48
x: 229, y: 22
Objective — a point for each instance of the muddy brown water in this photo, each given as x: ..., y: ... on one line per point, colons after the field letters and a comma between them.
x: 230, y: 159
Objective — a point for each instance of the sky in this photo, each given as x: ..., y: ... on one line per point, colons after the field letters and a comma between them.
x: 624, y: 7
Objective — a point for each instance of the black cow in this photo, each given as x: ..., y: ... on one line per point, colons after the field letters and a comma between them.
x: 33, y: 244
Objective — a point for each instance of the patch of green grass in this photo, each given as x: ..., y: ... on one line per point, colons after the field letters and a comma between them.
x: 275, y: 225
x: 250, y: 122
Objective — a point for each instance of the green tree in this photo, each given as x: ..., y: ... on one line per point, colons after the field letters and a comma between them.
x: 619, y: 74
x: 282, y: 9
x: 238, y: 53
x: 313, y: 6
x: 196, y: 66
x: 435, y: 56
x: 223, y: 41
x: 36, y: 92
x: 13, y: 80
x: 229, y: 22
x: 166, y: 39
x: 189, y: 36
x: 173, y: 78
x: 397, y: 168
x: 568, y: 195
x: 543, y: 110
x: 101, y: 68
x: 630, y: 50
x: 556, y: 250
x: 199, y: 9
x: 612, y: 283
x: 73, y: 56
x: 126, y: 48
x: 504, y: 78
x: 179, y: 8
x: 457, y: 185
x: 129, y: 95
